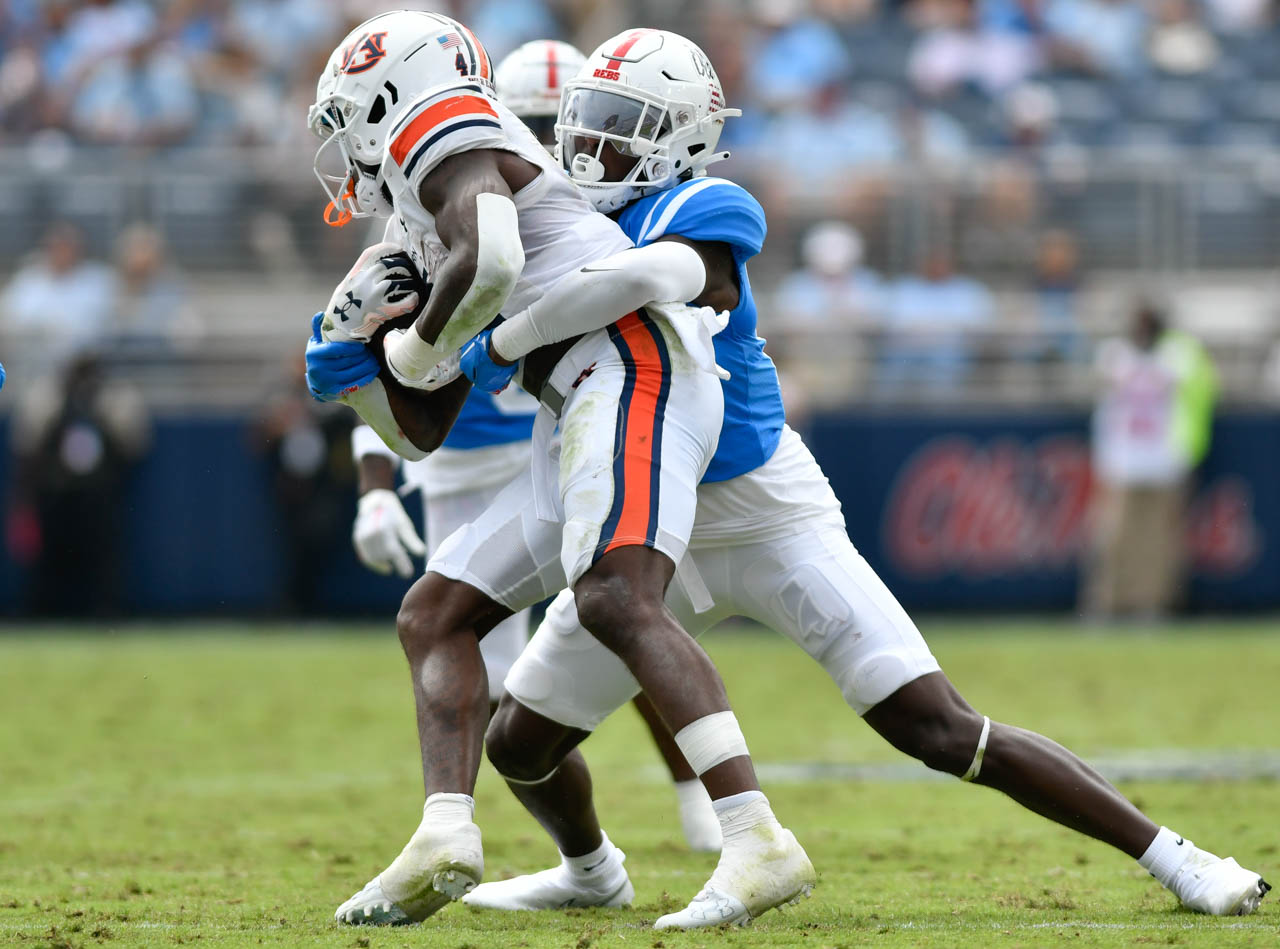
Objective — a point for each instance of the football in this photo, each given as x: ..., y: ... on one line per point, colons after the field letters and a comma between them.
x: 411, y: 283
x: 375, y: 288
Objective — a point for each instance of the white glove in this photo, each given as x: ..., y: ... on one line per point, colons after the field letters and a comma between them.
x: 439, y: 375
x: 383, y: 534
x: 381, y: 286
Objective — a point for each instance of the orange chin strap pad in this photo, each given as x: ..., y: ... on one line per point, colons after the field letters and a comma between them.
x: 335, y: 216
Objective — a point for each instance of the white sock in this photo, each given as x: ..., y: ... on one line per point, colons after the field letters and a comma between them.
x: 692, y: 796
x: 1165, y: 855
x: 590, y: 863
x: 739, y: 813
x: 445, y: 808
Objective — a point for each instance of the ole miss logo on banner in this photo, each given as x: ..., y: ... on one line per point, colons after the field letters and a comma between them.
x: 974, y: 509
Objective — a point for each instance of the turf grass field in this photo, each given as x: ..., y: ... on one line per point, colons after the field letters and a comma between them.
x: 230, y: 785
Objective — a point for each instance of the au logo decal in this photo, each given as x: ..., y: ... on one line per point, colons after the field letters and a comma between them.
x: 364, y: 53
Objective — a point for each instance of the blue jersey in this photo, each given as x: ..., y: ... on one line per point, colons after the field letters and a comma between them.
x: 712, y: 209
x: 487, y: 420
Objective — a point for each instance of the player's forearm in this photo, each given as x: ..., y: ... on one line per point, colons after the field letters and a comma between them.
x: 601, y: 293
x: 482, y: 268
x: 410, y: 422
x: 424, y: 417
x: 375, y: 462
x: 375, y: 471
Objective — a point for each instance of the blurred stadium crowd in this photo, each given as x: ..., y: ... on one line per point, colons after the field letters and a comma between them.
x: 875, y: 82
x: 961, y: 192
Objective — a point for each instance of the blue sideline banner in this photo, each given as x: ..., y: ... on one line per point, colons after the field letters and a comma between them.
x: 991, y: 511
x: 967, y: 512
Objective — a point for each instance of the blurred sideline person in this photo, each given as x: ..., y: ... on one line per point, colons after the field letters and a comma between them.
x: 77, y: 439
x: 770, y: 544
x: 1151, y: 427
x: 410, y: 129
x: 303, y: 446
x: 487, y: 447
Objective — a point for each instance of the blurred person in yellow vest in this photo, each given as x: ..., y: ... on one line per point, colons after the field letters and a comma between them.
x: 1151, y: 427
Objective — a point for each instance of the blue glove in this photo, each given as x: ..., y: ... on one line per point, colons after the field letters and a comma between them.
x: 336, y: 368
x: 1, y: 375
x: 478, y: 366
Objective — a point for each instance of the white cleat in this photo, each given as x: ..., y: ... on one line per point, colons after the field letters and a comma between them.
x: 752, y: 877
x: 371, y: 907
x: 1220, y: 887
x: 557, y: 888
x: 436, y: 867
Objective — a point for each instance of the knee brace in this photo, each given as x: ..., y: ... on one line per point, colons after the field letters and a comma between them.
x: 976, y: 765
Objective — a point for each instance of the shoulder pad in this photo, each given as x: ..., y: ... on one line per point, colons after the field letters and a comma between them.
x: 441, y: 122
x: 707, y: 209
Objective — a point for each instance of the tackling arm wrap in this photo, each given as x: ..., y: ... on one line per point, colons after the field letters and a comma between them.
x: 499, y: 260
x: 601, y: 293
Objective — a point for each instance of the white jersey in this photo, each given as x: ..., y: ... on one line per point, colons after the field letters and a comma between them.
x: 559, y: 229
x: 1133, y: 440
x: 449, y: 472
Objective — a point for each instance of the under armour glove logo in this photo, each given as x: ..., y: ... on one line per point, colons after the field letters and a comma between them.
x: 381, y: 286
x: 351, y: 304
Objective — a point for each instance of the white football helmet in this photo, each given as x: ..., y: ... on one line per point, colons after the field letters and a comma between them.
x: 654, y: 96
x: 530, y: 79
x: 381, y: 65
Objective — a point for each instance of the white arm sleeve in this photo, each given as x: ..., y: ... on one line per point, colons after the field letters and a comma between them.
x: 601, y: 293
x: 499, y: 262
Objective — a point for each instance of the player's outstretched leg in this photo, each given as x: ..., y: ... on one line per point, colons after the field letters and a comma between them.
x: 440, y: 623
x: 620, y: 600
x: 929, y: 720
x: 697, y: 816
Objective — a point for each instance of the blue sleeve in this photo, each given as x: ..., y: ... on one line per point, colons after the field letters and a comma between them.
x: 712, y: 209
